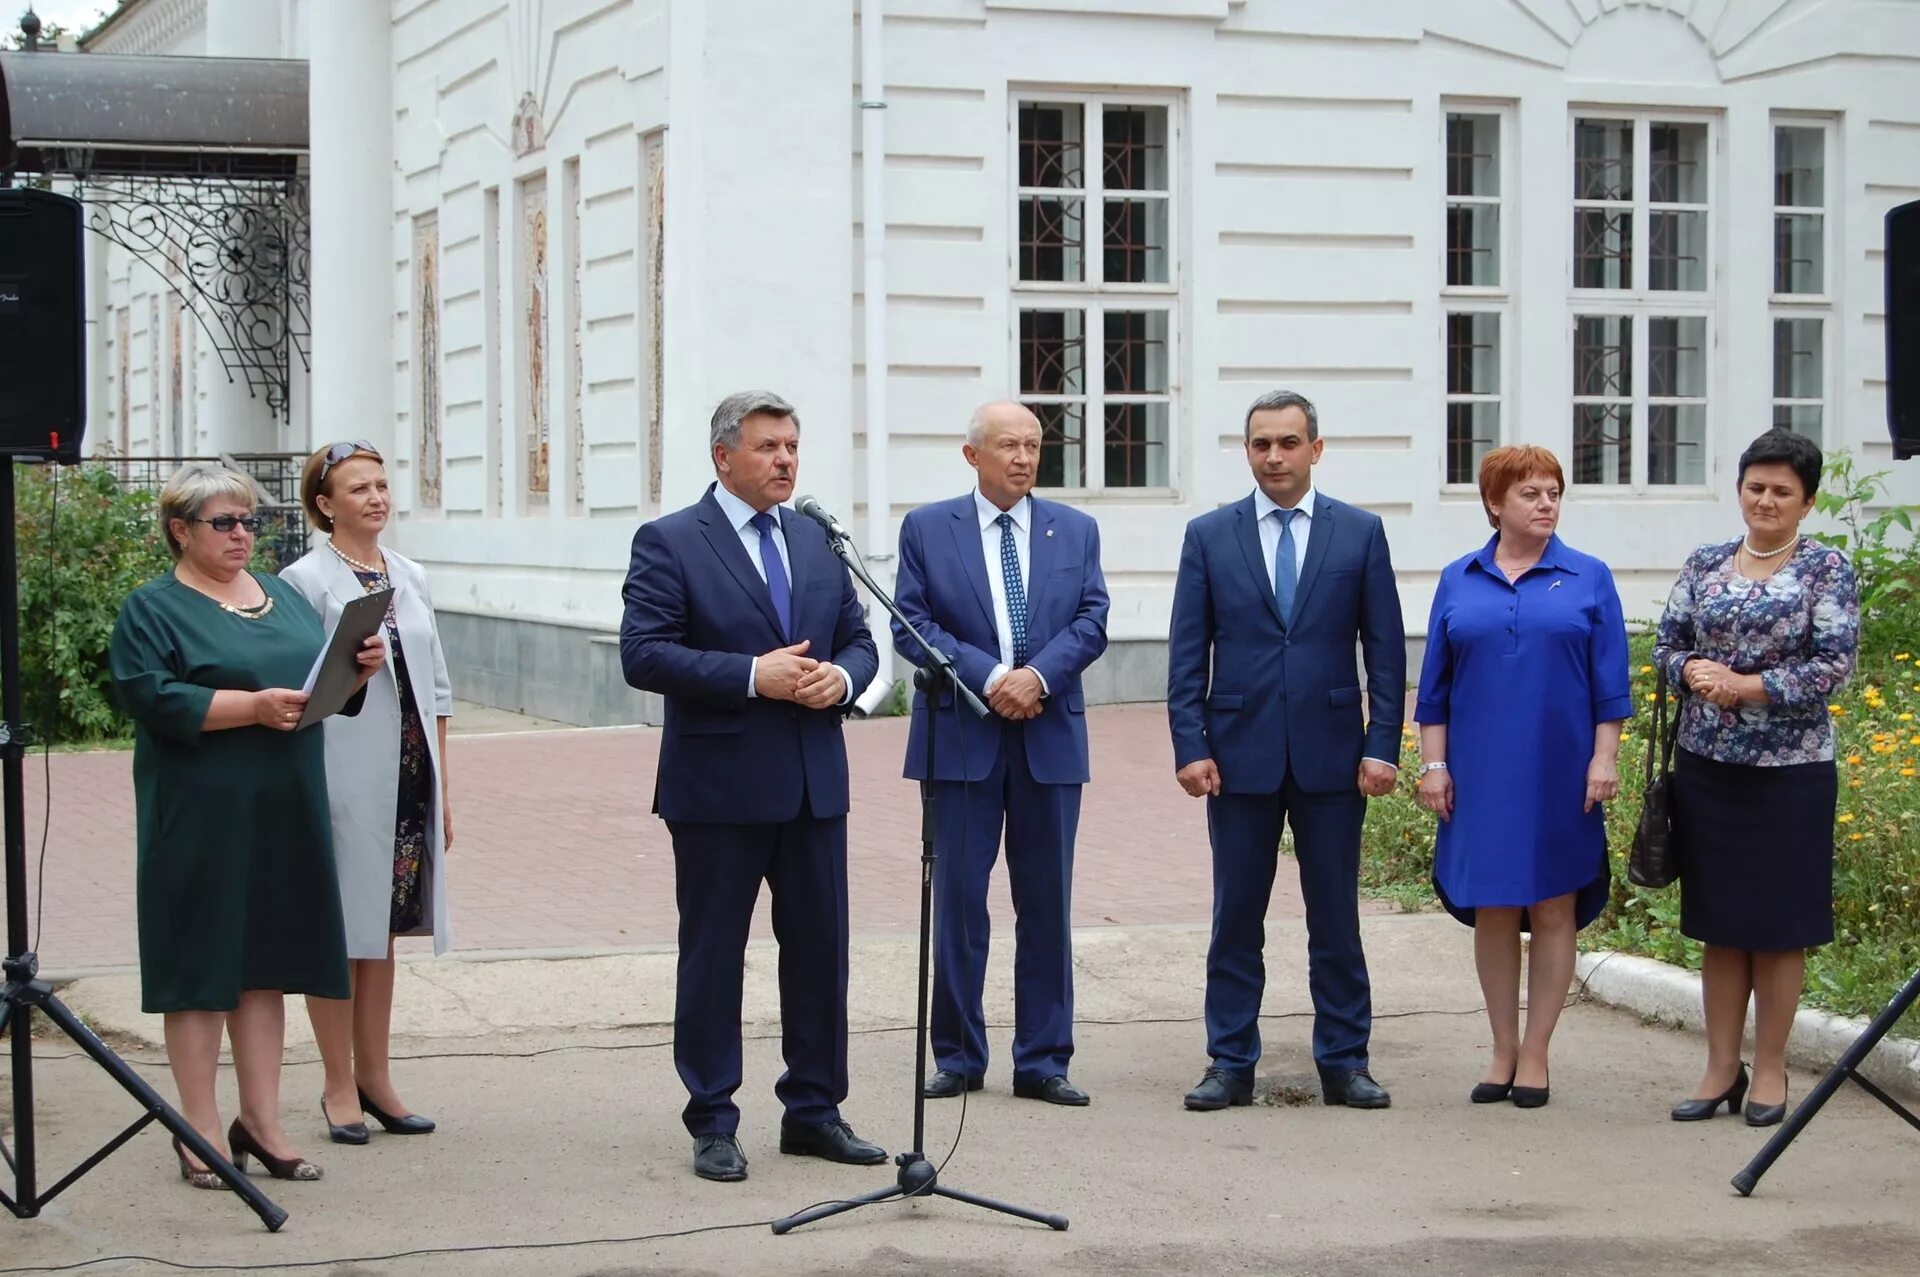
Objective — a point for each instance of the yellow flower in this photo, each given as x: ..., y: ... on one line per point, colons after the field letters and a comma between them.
x: 1831, y: 709
x: 1844, y: 818
x: 1906, y: 718
x: 1855, y: 784
x: 1902, y: 656
x: 1853, y: 759
x: 1646, y: 669
x: 1651, y: 695
x: 1908, y: 771
x: 1856, y: 838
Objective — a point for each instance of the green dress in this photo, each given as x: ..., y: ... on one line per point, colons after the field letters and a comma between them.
x: 236, y: 886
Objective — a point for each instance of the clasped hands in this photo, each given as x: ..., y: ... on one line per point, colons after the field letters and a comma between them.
x: 1714, y: 683
x: 789, y: 674
x: 1017, y: 696
x: 1435, y: 792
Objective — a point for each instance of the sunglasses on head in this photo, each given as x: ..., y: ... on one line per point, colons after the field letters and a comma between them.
x: 341, y: 451
x: 225, y: 523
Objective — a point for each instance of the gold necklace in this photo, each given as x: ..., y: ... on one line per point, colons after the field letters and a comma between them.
x: 257, y: 612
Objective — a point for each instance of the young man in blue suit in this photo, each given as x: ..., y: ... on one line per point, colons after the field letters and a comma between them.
x: 1264, y: 699
x: 741, y: 617
x: 1009, y: 587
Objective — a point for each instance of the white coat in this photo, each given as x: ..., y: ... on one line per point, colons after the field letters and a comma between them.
x: 363, y: 752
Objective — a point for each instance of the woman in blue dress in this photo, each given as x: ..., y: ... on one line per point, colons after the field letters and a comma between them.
x: 1522, y: 697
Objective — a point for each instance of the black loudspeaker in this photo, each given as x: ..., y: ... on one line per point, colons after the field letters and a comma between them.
x: 43, y: 366
x: 1903, y: 329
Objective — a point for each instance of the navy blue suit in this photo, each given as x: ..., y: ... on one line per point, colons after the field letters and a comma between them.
x: 1277, y: 707
x: 751, y: 789
x: 989, y: 773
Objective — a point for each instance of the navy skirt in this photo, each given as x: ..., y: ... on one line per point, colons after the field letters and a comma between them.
x: 1756, y: 852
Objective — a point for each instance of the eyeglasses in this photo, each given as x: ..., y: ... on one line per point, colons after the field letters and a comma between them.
x: 225, y: 523
x: 341, y: 451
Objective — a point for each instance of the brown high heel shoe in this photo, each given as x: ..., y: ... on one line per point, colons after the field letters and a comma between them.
x: 241, y: 1141
x: 199, y: 1179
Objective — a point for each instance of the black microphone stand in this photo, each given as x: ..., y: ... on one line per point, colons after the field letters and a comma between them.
x: 918, y: 1177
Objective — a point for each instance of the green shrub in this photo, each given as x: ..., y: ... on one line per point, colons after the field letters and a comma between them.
x: 70, y: 592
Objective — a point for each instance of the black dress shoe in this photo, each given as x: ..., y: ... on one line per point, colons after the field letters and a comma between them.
x: 351, y: 1133
x: 945, y: 1084
x: 1531, y: 1097
x: 718, y: 1157
x: 1219, y: 1089
x: 1054, y: 1090
x: 833, y: 1140
x: 1766, y: 1114
x: 411, y: 1124
x: 1701, y: 1110
x: 1356, y: 1090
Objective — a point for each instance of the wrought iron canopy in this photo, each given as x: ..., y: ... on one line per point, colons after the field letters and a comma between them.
x: 194, y: 166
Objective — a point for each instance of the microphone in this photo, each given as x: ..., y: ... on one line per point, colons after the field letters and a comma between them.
x: 812, y: 509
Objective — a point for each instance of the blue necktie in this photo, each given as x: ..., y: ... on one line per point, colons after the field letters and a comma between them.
x: 776, y: 569
x: 1285, y: 575
x: 1016, y: 590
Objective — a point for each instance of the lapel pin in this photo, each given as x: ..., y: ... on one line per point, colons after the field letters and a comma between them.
x: 1553, y: 587
x: 1049, y: 531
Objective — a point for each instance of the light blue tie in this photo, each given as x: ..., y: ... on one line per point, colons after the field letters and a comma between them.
x: 1285, y: 575
x: 1016, y: 589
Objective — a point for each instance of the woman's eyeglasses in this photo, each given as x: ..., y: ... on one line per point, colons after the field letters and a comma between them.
x: 341, y: 451
x: 225, y: 523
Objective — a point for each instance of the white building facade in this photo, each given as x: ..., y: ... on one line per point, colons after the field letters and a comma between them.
x: 1635, y: 234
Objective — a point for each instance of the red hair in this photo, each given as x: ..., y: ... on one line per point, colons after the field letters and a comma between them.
x: 1504, y: 467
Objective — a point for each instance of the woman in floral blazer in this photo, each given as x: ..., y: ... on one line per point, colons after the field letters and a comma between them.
x: 1760, y: 632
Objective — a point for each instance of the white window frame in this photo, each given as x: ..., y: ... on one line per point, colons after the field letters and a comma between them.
x: 1815, y: 306
x: 1479, y: 298
x: 1092, y: 295
x: 1640, y: 303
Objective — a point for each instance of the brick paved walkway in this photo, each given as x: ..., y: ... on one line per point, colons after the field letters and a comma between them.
x: 554, y: 846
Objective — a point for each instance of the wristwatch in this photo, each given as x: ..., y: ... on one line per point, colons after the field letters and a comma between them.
x: 1429, y: 767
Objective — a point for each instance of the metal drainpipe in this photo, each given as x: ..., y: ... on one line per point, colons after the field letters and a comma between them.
x: 873, y: 223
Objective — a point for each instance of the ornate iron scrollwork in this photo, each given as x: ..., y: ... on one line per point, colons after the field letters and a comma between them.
x: 237, y: 250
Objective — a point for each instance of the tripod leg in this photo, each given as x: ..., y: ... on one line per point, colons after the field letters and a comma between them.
x: 812, y: 1213
x: 135, y: 1085
x: 26, y: 1192
x: 1852, y: 1059
x: 1058, y: 1223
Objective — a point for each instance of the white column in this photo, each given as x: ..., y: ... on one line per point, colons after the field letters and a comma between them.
x: 350, y: 134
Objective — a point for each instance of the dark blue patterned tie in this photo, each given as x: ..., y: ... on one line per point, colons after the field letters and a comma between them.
x: 1285, y: 574
x: 1016, y: 590
x: 776, y: 569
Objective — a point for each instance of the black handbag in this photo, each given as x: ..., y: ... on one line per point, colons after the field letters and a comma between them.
x: 1655, y: 859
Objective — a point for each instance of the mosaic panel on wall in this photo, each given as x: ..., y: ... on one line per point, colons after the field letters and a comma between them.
x: 533, y: 333
x: 426, y: 360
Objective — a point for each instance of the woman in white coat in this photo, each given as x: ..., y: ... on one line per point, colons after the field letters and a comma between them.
x: 387, y: 785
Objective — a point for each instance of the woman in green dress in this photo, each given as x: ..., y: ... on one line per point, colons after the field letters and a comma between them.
x: 237, y: 900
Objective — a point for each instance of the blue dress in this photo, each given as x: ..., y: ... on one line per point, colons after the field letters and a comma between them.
x: 1521, y: 674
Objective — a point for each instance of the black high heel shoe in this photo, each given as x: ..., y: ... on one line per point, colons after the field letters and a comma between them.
x: 351, y: 1133
x: 241, y: 1141
x: 1732, y: 1097
x: 411, y: 1124
x: 199, y: 1179
x: 1491, y: 1092
x: 1766, y: 1114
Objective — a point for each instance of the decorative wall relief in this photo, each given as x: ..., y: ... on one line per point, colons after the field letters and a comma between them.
x: 426, y: 360
x: 654, y: 167
x: 123, y: 359
x: 534, y: 313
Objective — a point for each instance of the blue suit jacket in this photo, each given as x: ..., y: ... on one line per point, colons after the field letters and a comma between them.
x: 1261, y: 698
x: 942, y: 588
x: 697, y: 613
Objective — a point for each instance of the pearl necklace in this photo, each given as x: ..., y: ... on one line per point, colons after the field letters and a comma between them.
x: 1747, y: 545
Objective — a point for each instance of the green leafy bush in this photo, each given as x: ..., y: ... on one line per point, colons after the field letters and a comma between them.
x: 71, y: 585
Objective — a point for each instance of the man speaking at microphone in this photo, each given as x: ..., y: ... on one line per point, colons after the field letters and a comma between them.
x: 738, y: 613
x: 1009, y: 587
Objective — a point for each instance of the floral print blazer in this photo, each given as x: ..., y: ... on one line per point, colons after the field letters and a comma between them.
x: 1799, y: 630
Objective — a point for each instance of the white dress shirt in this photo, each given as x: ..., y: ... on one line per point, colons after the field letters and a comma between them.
x: 990, y: 534
x: 1263, y: 510
x: 740, y: 515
